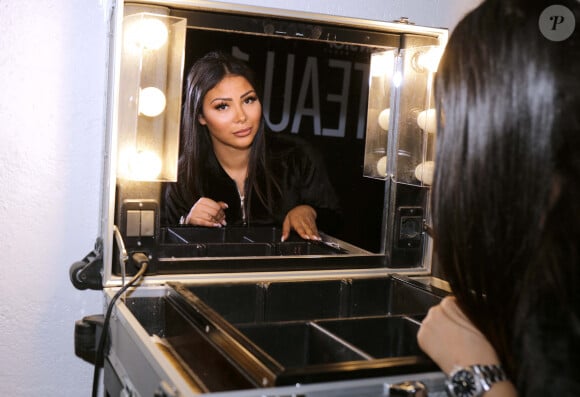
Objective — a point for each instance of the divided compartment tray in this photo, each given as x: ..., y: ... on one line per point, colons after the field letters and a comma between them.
x: 299, y: 345
x: 259, y: 302
x: 288, y: 332
x: 232, y: 336
x: 187, y: 241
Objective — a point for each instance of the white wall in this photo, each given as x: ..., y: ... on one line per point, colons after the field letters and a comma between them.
x: 52, y: 82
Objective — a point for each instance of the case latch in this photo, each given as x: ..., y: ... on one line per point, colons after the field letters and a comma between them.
x: 410, y: 388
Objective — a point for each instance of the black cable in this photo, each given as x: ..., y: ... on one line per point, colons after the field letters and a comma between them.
x: 142, y: 262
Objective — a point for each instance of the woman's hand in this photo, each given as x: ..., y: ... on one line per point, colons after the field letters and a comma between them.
x: 301, y: 219
x: 206, y: 212
x: 450, y: 339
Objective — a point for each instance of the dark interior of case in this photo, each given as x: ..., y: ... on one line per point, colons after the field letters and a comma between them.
x: 231, y: 336
x: 239, y: 241
x: 194, y: 250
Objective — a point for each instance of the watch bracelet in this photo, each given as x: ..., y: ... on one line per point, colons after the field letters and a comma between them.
x: 494, y: 372
x: 491, y: 373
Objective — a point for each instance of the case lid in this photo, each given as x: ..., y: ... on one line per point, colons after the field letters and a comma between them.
x: 358, y: 91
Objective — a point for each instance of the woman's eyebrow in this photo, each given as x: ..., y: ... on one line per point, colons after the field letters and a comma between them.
x: 247, y: 93
x: 220, y: 99
x: 229, y: 99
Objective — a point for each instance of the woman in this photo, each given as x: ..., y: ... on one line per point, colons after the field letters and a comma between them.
x: 506, y: 201
x: 231, y: 172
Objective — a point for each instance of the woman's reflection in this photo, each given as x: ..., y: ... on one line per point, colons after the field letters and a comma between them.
x: 233, y: 172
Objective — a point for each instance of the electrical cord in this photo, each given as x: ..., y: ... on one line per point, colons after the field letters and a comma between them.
x: 142, y: 262
x: 123, y: 256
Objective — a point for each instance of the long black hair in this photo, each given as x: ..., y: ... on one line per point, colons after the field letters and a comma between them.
x: 204, y: 75
x: 507, y: 132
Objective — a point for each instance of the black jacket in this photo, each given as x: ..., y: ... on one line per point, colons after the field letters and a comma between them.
x: 300, y: 173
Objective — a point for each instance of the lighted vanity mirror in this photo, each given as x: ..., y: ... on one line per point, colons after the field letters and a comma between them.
x: 351, y: 89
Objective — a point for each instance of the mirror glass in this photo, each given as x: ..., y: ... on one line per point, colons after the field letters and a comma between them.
x: 336, y: 86
x: 317, y: 89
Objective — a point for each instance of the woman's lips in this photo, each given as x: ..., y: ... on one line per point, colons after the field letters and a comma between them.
x: 243, y: 133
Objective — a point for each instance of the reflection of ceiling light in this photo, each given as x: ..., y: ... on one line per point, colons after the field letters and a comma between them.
x: 427, y: 121
x: 151, y: 101
x: 146, y: 33
x: 144, y: 165
x: 384, y: 117
x: 424, y: 172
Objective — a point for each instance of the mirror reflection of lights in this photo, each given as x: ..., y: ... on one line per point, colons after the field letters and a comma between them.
x: 144, y: 165
x: 382, y: 63
x: 151, y: 101
x: 146, y: 33
x: 397, y: 79
x: 382, y: 166
x: 384, y: 117
x: 429, y: 60
x: 424, y: 172
x: 427, y: 121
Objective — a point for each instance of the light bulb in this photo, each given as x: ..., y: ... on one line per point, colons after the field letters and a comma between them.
x: 427, y: 121
x: 424, y: 172
x: 384, y: 118
x: 429, y: 60
x: 382, y: 166
x: 151, y: 101
x: 382, y: 63
x: 146, y: 33
x: 144, y: 165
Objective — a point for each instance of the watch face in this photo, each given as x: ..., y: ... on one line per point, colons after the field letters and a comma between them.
x: 463, y: 384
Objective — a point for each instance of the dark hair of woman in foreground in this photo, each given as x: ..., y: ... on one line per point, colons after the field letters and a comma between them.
x: 506, y: 197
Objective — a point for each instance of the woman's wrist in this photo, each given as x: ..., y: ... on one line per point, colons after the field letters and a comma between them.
x: 479, y: 381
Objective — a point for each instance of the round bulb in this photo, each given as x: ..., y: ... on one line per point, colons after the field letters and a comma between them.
x: 144, y: 165
x: 427, y: 121
x: 147, y: 33
x: 384, y: 118
x: 424, y: 172
x: 430, y: 60
x: 151, y: 101
x: 382, y: 64
x: 382, y: 166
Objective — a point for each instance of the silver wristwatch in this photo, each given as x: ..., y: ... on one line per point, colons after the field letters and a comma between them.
x: 474, y: 380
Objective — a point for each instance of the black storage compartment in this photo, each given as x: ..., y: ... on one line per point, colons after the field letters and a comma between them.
x: 300, y: 344
x: 184, y: 241
x: 296, y: 300
x: 255, y: 334
x: 378, y: 337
